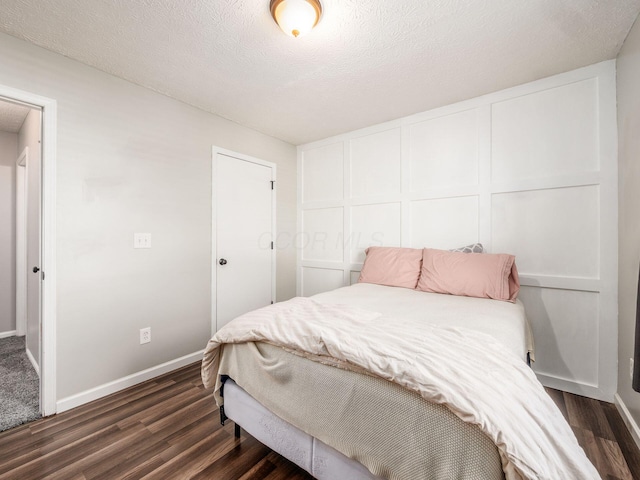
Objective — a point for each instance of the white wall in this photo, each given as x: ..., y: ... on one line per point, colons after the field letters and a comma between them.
x: 529, y: 171
x: 628, y: 88
x: 8, y: 156
x: 131, y: 160
x: 29, y: 136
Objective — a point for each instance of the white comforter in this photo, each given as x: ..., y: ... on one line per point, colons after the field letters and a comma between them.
x: 469, y: 372
x: 504, y: 321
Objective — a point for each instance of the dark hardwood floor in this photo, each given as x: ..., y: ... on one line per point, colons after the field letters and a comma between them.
x: 602, y: 434
x: 168, y: 428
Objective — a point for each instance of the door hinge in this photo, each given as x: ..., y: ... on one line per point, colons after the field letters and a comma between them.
x: 272, y: 183
x: 271, y: 245
x: 43, y: 275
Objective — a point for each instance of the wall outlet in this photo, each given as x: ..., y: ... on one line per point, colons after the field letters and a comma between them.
x: 631, y: 368
x: 145, y: 335
x: 141, y: 240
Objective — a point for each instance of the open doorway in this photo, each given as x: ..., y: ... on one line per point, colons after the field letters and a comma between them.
x: 20, y: 260
x: 46, y: 268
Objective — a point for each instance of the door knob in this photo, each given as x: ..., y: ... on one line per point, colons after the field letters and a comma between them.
x: 36, y: 269
x: 222, y: 261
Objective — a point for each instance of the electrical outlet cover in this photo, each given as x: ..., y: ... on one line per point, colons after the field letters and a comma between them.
x: 145, y: 335
x: 141, y: 240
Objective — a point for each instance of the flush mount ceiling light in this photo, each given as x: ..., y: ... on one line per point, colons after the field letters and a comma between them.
x: 296, y: 17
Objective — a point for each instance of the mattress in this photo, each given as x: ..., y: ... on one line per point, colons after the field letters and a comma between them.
x: 392, y: 431
x: 504, y: 321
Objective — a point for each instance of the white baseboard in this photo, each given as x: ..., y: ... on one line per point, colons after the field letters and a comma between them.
x: 628, y: 419
x: 10, y: 333
x: 125, y: 382
x: 32, y: 359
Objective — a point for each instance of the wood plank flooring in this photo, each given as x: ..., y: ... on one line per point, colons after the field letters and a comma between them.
x: 168, y: 428
x: 602, y: 434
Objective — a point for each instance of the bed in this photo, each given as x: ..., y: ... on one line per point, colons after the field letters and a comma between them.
x: 271, y: 376
x: 339, y: 417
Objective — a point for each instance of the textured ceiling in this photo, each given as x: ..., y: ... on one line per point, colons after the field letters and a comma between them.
x: 12, y: 116
x: 366, y: 62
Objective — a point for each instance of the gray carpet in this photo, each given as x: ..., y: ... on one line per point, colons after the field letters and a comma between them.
x: 19, y: 385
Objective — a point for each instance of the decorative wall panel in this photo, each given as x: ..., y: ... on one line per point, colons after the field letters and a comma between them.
x: 375, y: 164
x: 323, y: 235
x: 530, y: 171
x: 443, y: 151
x: 316, y: 280
x: 565, y: 325
x: 551, y: 132
x: 551, y: 232
x: 322, y: 173
x: 377, y: 225
x: 444, y: 223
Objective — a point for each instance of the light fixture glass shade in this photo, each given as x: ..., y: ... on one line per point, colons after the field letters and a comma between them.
x: 296, y: 17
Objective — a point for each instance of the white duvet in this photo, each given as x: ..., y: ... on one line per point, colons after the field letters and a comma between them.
x: 470, y: 372
x: 504, y: 321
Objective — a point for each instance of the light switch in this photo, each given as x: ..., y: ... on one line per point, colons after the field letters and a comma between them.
x: 141, y: 240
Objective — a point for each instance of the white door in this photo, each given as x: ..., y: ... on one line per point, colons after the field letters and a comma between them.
x: 33, y: 136
x: 244, y: 234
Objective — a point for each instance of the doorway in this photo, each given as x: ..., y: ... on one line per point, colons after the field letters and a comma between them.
x: 243, y: 270
x: 20, y: 238
x: 27, y: 238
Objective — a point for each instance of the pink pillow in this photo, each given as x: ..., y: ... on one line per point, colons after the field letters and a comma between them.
x: 392, y: 266
x: 469, y: 274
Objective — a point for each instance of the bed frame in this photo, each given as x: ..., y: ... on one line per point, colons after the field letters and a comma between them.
x: 309, y: 453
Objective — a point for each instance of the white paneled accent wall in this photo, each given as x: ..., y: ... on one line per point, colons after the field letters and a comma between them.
x: 530, y: 171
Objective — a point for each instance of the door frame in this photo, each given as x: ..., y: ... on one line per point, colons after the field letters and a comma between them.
x: 214, y: 214
x: 47, y: 241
